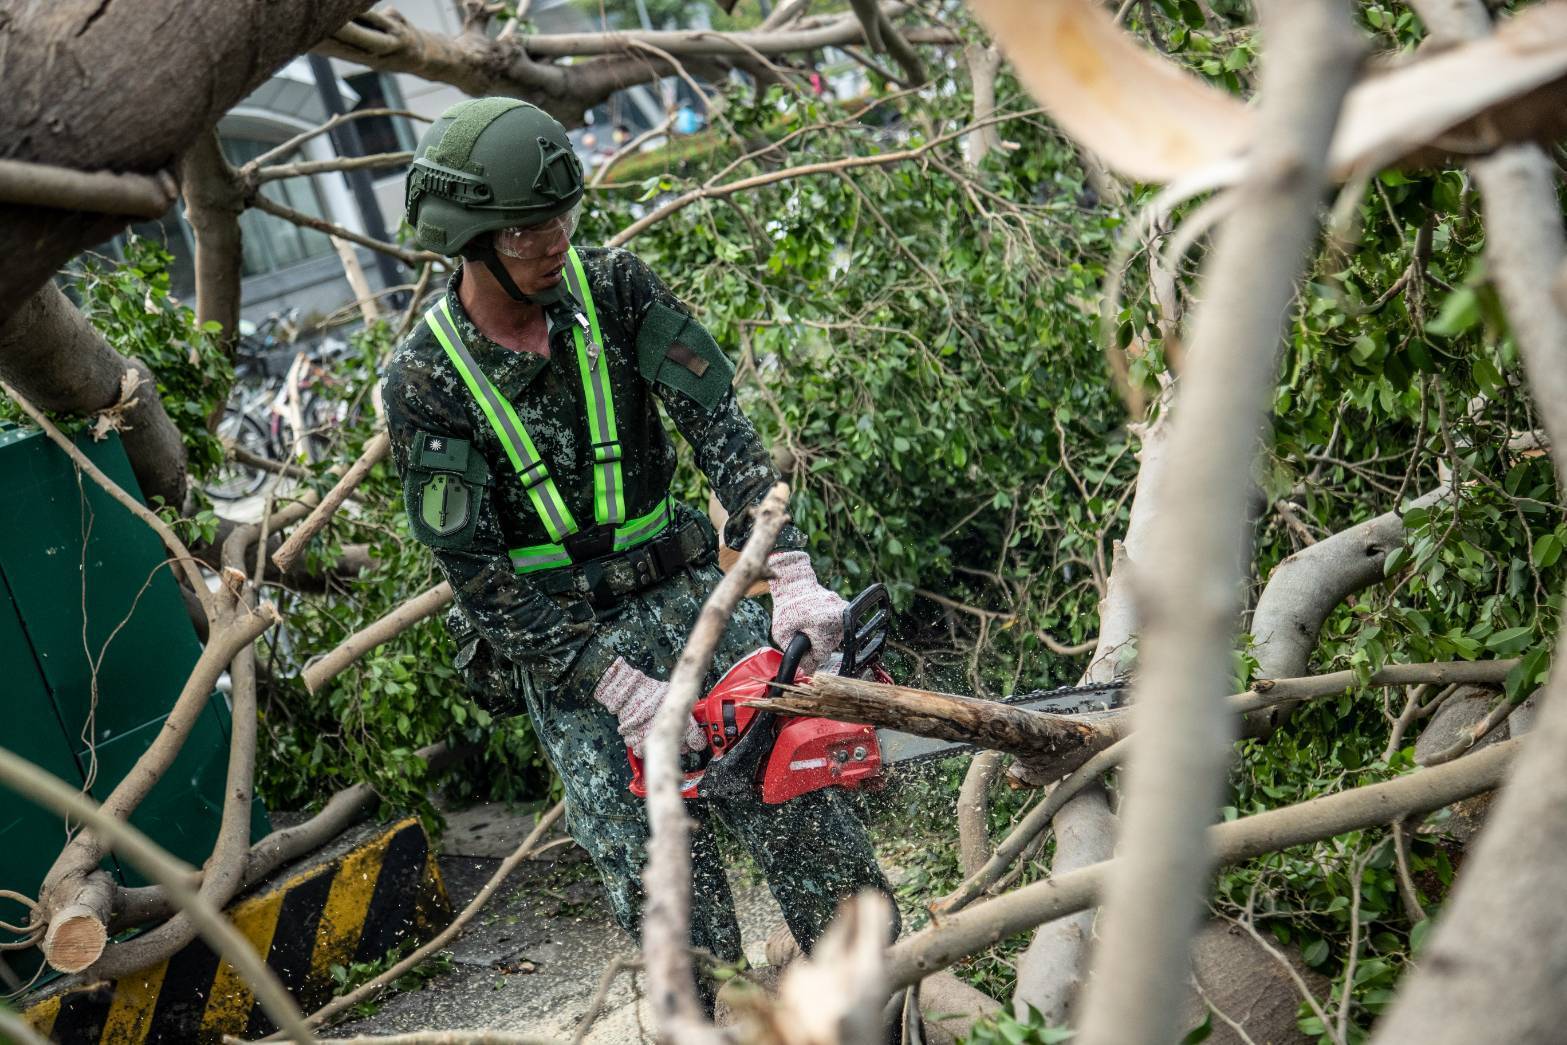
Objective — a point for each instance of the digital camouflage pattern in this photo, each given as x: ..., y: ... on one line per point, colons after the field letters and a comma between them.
x: 523, y: 648
x: 642, y: 324
x: 813, y: 850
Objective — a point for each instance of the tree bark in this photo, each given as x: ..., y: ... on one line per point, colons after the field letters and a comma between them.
x: 1190, y: 606
x: 214, y: 200
x: 88, y: 86
x: 967, y: 720
x: 53, y: 356
x: 1495, y: 963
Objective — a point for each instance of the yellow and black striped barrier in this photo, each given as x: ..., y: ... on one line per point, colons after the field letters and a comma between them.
x: 354, y: 902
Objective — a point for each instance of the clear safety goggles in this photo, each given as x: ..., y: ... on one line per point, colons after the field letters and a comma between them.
x: 532, y: 242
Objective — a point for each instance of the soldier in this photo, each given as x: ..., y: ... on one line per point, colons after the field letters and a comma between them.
x: 524, y: 420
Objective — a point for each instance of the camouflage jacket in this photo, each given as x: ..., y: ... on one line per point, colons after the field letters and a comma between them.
x: 657, y: 354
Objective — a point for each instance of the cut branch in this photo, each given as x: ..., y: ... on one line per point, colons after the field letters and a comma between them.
x: 34, y: 784
x: 966, y: 720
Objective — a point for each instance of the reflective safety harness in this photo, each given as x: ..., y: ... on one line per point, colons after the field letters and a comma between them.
x: 609, y: 494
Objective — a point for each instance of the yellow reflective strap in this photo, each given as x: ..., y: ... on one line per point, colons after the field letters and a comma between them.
x: 609, y: 494
x: 514, y: 438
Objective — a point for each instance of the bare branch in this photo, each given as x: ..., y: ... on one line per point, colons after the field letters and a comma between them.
x: 375, y: 451
x: 1423, y: 791
x: 105, y: 192
x: 666, y: 919
x: 1190, y: 605
x: 376, y: 161
x: 322, y: 670
x: 714, y: 192
x: 411, y: 258
x: 250, y: 169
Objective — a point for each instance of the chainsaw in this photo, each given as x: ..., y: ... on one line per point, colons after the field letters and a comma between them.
x: 784, y: 756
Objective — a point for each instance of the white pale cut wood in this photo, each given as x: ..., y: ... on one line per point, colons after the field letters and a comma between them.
x: 1143, y: 116
x: 1150, y: 120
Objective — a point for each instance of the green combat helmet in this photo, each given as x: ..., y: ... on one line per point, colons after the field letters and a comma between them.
x: 488, y: 164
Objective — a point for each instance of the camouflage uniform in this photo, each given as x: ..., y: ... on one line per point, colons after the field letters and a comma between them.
x: 524, y: 645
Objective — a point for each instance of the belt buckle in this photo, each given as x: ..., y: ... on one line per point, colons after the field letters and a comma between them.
x: 647, y: 567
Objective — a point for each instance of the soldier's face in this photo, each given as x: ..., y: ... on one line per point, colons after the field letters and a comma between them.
x: 535, y: 255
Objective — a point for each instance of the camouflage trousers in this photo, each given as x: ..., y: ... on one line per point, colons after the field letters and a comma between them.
x: 813, y: 850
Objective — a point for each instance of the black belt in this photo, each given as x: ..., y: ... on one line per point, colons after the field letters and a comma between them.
x: 604, y: 582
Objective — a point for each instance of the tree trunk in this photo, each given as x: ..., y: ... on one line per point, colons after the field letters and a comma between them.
x: 114, y: 85
x: 54, y: 357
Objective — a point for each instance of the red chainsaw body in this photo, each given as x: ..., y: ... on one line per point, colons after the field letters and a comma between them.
x: 808, y: 753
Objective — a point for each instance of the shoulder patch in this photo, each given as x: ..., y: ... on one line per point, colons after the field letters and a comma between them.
x: 676, y: 351
x: 443, y: 489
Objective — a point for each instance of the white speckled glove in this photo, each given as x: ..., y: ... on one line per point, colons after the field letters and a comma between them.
x: 634, y: 699
x: 800, y: 603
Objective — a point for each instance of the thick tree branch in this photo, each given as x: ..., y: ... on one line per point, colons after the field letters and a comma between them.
x: 526, y: 66
x: 104, y: 192
x: 214, y: 200
x: 1190, y: 605
x: 87, y: 87
x: 983, y: 925
x: 51, y: 354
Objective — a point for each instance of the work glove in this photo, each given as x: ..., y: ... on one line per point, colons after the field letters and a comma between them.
x: 801, y: 604
x: 633, y: 699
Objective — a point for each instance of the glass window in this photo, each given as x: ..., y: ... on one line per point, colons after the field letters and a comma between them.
x: 271, y: 243
x: 381, y: 133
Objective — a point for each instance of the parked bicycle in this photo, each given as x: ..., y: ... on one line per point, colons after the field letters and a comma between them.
x: 283, y: 406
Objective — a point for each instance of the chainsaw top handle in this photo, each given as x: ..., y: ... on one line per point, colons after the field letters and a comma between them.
x: 789, y: 667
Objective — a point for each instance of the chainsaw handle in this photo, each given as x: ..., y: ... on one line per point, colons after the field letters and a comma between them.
x: 794, y: 653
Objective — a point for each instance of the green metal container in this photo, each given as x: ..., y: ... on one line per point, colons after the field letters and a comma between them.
x: 95, y: 645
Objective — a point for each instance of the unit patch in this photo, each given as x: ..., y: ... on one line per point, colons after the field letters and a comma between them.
x: 444, y: 504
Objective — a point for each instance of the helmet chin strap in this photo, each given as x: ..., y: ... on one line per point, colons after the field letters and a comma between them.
x: 486, y: 254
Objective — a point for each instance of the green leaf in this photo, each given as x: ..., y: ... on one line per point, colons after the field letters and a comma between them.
x: 1547, y: 550
x: 1201, y: 1031
x: 1509, y: 640
x: 1315, y: 952
x: 1460, y: 311
x: 1417, y: 936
